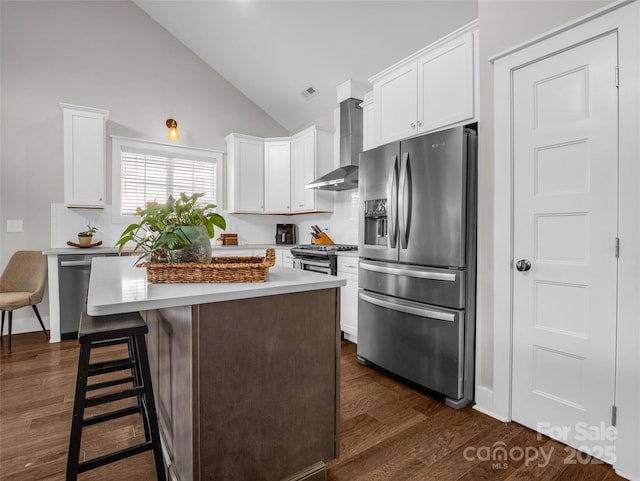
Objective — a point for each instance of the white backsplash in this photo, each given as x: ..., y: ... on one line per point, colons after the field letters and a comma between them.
x: 341, y: 225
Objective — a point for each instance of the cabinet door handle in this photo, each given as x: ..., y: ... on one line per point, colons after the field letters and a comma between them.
x: 419, y: 123
x: 413, y: 125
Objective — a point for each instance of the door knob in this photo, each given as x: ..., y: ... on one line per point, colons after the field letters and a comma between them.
x: 523, y: 265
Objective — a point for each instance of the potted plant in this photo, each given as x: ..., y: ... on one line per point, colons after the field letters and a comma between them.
x: 85, y: 237
x: 177, y: 231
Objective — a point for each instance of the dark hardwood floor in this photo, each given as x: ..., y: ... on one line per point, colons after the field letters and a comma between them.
x: 389, y: 431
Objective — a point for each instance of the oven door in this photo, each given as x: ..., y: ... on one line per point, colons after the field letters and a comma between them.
x: 323, y: 266
x: 419, y: 342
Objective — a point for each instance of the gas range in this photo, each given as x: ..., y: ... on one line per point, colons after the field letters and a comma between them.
x: 326, y: 247
x: 320, y: 257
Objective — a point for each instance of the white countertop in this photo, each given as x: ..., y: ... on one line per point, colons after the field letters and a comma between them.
x: 100, y: 250
x: 116, y: 286
x: 54, y: 251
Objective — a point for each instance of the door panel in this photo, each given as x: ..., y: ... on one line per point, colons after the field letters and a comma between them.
x: 375, y: 171
x: 435, y: 168
x: 565, y: 224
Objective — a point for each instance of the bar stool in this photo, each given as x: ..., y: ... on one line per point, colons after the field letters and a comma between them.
x: 102, y: 331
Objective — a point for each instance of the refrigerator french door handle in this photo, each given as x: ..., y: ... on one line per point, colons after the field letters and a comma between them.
x: 434, y: 276
x: 406, y: 309
x: 392, y: 204
x: 404, y: 200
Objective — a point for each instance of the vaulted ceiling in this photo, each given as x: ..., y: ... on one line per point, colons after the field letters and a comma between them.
x: 274, y: 50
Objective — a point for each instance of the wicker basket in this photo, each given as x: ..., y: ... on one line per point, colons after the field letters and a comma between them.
x: 221, y: 269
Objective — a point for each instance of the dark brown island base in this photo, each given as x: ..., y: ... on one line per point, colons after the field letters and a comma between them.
x: 246, y: 388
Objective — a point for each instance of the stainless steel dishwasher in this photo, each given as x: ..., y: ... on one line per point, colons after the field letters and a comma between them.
x: 73, y: 282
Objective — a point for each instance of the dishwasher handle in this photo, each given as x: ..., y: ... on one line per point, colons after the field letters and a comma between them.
x: 75, y: 263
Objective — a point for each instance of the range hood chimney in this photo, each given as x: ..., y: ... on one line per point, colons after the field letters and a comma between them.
x: 346, y: 176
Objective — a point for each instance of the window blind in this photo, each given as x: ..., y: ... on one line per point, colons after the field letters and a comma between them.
x: 152, y: 178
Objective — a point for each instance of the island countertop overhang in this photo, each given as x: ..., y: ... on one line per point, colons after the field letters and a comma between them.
x: 117, y: 285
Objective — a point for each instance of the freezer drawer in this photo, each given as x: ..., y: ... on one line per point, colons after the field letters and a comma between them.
x: 418, y: 342
x: 428, y: 285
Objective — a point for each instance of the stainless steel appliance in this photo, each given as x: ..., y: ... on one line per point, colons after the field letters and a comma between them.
x: 320, y: 258
x: 416, y: 299
x: 285, y: 233
x: 345, y: 177
x: 73, y: 281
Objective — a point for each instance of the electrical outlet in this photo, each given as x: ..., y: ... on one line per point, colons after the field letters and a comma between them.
x: 14, y: 225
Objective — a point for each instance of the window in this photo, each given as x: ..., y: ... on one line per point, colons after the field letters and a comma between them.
x: 147, y: 171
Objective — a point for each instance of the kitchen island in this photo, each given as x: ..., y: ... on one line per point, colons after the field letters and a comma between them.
x: 246, y: 375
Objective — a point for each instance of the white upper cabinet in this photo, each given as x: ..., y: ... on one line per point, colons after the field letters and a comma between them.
x: 368, y: 123
x: 245, y: 174
x: 268, y: 176
x: 303, y: 169
x: 84, y: 156
x: 277, y: 177
x: 434, y: 88
x: 311, y: 157
x: 446, y: 84
x: 396, y: 98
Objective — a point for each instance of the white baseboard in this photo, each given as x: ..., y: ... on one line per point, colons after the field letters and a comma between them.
x: 21, y: 325
x: 350, y: 337
x: 484, y: 403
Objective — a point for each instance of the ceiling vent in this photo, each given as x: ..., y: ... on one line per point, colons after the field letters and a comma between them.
x: 309, y: 92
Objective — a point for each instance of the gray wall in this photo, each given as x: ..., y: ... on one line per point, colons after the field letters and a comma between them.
x: 504, y: 24
x: 108, y: 55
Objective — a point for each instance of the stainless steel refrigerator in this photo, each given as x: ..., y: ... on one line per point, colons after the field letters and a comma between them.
x: 417, y: 247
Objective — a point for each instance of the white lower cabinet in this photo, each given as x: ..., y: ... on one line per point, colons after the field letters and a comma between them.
x: 348, y: 268
x: 227, y: 252
x: 284, y: 257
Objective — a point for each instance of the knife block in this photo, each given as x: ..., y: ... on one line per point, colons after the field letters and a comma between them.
x: 322, y: 239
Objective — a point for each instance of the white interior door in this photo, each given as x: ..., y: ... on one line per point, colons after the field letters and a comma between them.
x: 565, y: 222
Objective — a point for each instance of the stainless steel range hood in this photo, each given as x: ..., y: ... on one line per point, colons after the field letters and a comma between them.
x: 345, y: 177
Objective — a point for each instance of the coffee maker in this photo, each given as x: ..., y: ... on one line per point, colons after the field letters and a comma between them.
x: 285, y: 233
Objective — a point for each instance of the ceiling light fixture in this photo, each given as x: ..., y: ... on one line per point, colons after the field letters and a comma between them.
x: 173, y: 133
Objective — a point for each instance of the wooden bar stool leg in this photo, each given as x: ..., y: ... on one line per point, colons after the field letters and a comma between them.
x: 150, y: 411
x: 78, y: 413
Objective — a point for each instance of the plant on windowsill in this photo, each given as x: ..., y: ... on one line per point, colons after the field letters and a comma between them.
x: 177, y: 231
x: 85, y: 237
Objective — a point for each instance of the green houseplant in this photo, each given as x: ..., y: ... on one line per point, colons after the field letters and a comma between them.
x: 85, y: 237
x: 176, y: 231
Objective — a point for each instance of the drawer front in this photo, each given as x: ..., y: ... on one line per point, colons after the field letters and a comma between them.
x: 416, y: 341
x: 442, y: 287
x: 348, y: 266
